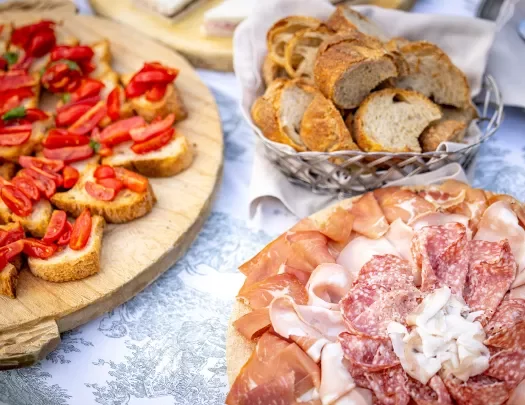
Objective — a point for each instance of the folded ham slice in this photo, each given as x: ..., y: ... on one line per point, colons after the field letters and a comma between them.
x: 369, y: 219
x: 327, y: 285
x: 403, y: 204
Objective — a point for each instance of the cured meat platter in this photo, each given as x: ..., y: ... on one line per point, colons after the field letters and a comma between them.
x: 134, y: 253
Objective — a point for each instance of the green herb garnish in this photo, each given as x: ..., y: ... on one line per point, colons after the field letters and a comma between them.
x: 70, y: 64
x: 11, y: 58
x: 17, y: 112
x: 66, y: 98
x: 94, y: 145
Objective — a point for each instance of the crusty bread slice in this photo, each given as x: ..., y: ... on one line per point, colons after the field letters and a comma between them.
x: 83, y: 165
x: 167, y: 161
x: 101, y: 58
x: 349, y: 66
x: 7, y: 170
x: 345, y: 18
x: 8, y: 280
x: 35, y: 223
x: 450, y: 128
x: 432, y: 73
x: 5, y: 36
x: 282, y: 31
x: 38, y: 131
x: 69, y: 264
x: 272, y: 71
x: 391, y: 120
x: 171, y: 103
x: 127, y: 206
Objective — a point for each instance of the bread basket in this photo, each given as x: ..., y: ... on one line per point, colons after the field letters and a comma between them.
x: 347, y: 173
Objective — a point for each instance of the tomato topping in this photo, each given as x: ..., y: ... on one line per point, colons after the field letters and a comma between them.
x: 100, y: 192
x: 27, y: 186
x: 156, y: 93
x: 88, y: 88
x: 40, y: 162
x: 57, y: 226
x: 152, y: 66
x: 152, y: 79
x: 13, y: 139
x: 133, y: 181
x: 69, y: 154
x: 8, y: 236
x: 38, y: 249
x: 134, y: 89
x: 105, y: 151
x: 55, y: 140
x: 104, y: 172
x: 71, y: 176
x: 35, y: 114
x: 89, y: 120
x: 81, y: 231
x: 76, y: 53
x: 112, y: 183
x: 66, y: 235
x: 10, y: 99
x: 62, y: 76
x: 45, y: 185
x: 118, y: 132
x: 36, y: 39
x: 71, y: 112
x: 144, y: 133
x: 16, y: 79
x: 16, y: 201
x: 156, y: 76
x: 11, y: 250
x: 114, y: 102
x: 13, y: 129
x: 55, y: 177
x: 154, y: 143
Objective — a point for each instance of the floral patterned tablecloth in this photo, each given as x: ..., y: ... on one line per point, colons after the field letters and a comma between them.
x: 167, y: 345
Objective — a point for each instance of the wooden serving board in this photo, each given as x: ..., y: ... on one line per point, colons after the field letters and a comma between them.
x: 136, y: 253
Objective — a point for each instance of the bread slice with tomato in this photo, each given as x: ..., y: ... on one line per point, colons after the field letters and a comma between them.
x: 38, y: 131
x: 70, y: 264
x: 9, y: 233
x: 35, y: 223
x: 126, y: 205
x: 7, y: 170
x: 8, y: 280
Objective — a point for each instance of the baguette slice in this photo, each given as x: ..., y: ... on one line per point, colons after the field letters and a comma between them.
x: 69, y: 264
x: 349, y: 66
x: 127, y: 206
x: 167, y: 161
x: 8, y: 280
x: 346, y: 19
x: 101, y: 58
x: 272, y: 71
x: 392, y: 120
x: 171, y: 103
x: 35, y: 223
x: 38, y: 131
x: 432, y: 73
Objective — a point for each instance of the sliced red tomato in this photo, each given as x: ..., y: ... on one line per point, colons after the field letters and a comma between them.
x: 153, y: 66
x: 118, y: 132
x: 60, y: 77
x: 104, y: 172
x: 21, y: 36
x: 89, y: 120
x: 35, y: 114
x: 105, y: 151
x: 57, y: 178
x: 133, y: 181
x: 100, y: 192
x: 144, y: 133
x: 154, y: 143
x: 54, y: 140
x: 40, y: 162
x: 134, y: 89
x: 157, y: 92
x: 88, y: 88
x: 41, y: 43
x: 11, y: 250
x: 13, y: 129
x: 81, y: 231
x: 45, y: 185
x: 16, y: 201
x: 39, y: 249
x: 4, y: 182
x: 71, y: 114
x: 66, y: 235
x: 71, y: 176
x: 90, y: 101
x: 24, y: 63
x: 75, y: 53
x: 27, y: 186
x: 154, y: 77
x: 114, y: 101
x: 112, y: 183
x: 14, y: 139
x: 11, y: 235
x: 56, y: 227
x: 16, y: 79
x: 69, y: 154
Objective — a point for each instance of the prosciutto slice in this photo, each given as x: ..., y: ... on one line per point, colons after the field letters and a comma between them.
x: 327, y: 285
x: 404, y: 204
x: 253, y: 324
x: 442, y: 199
x: 369, y: 219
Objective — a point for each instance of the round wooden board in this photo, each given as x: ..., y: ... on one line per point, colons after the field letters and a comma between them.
x: 182, y: 33
x: 136, y: 253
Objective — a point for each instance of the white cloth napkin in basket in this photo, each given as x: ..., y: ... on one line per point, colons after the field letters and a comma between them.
x: 466, y: 40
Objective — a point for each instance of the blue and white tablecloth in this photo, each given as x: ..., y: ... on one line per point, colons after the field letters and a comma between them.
x: 167, y: 345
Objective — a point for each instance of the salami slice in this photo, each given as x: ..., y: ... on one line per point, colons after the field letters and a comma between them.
x: 478, y: 390
x: 508, y: 366
x: 434, y: 393
x: 491, y: 272
x: 367, y: 353
x: 359, y: 299
x: 389, y: 386
x: 506, y: 329
x: 391, y: 267
x: 443, y: 256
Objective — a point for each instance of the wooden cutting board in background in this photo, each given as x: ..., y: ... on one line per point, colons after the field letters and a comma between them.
x: 136, y: 253
x: 184, y: 34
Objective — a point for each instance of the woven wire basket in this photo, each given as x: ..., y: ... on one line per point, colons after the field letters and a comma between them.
x: 347, y: 173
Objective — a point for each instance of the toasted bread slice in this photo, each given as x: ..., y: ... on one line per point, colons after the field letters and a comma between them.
x: 101, y: 58
x: 8, y: 280
x: 392, y: 120
x: 171, y: 103
x: 127, y: 206
x: 69, y: 264
x: 16, y: 261
x: 272, y: 71
x: 345, y: 19
x: 167, y: 161
x: 432, y: 73
x: 83, y: 165
x: 35, y: 223
x: 5, y: 36
x: 7, y: 170
x: 38, y: 131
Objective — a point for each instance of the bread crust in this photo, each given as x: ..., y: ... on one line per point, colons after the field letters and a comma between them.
x: 35, y: 223
x: 339, y: 22
x: 8, y: 281
x: 272, y: 71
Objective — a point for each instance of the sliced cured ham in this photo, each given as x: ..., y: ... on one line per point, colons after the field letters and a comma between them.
x: 441, y: 252
x: 253, y: 324
x: 301, y: 275
x: 369, y: 219
x: 277, y: 391
x: 336, y: 380
x: 361, y: 250
x: 358, y: 396
x: 515, y: 205
x: 478, y: 390
x: 327, y: 285
x: 517, y: 396
x: 261, y: 294
x: 442, y: 199
x: 491, y: 272
x: 400, y: 237
x: 433, y: 393
x: 368, y: 353
x: 500, y: 222
x: 310, y: 247
x: 337, y: 225
x: 506, y: 329
x: 403, y: 204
